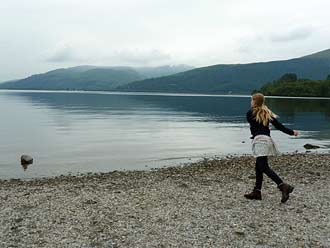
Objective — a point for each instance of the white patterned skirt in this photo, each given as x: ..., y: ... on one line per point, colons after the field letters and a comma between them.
x: 263, y: 145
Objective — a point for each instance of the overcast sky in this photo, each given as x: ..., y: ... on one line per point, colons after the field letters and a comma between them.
x: 40, y: 35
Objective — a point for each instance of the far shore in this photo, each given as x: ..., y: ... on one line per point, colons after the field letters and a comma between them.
x: 146, y: 93
x: 197, y: 205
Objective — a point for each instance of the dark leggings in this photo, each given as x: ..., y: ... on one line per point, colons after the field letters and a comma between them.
x: 263, y: 167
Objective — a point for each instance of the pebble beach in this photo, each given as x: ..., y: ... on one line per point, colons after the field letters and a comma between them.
x: 200, y: 204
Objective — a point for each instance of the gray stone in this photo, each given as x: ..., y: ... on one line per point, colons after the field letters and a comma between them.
x: 26, y: 159
x: 310, y: 146
x: 154, y: 210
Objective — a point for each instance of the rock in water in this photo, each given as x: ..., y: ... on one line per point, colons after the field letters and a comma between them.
x: 26, y: 159
x: 310, y: 146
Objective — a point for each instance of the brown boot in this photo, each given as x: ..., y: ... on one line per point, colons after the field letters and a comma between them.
x: 286, y: 190
x: 254, y: 195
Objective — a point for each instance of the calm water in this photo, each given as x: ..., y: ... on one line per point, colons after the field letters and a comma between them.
x: 69, y: 132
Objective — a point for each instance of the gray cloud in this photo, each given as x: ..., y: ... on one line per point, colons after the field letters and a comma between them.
x: 139, y: 58
x: 40, y: 35
x: 63, y: 55
x: 292, y: 35
x: 131, y: 57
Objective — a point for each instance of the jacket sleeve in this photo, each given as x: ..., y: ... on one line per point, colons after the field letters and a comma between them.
x: 278, y: 125
x: 249, y: 116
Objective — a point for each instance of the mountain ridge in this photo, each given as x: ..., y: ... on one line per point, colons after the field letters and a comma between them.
x: 213, y: 79
x: 88, y: 77
x: 235, y: 78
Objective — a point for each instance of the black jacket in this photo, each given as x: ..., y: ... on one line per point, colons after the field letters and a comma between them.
x: 257, y: 128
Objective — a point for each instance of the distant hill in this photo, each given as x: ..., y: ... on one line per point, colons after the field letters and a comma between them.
x: 235, y: 78
x: 154, y: 72
x: 90, y: 77
x: 319, y: 55
x: 216, y: 79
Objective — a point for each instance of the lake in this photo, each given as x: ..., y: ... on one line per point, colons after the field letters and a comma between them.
x: 80, y: 132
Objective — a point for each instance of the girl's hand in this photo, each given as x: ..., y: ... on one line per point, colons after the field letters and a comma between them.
x: 295, y: 133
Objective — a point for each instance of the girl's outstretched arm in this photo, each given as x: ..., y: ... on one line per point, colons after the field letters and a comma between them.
x: 278, y: 125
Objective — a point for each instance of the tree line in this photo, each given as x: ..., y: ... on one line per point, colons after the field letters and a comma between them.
x: 290, y: 85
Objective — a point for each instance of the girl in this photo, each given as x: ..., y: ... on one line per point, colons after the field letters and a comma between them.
x: 259, y: 117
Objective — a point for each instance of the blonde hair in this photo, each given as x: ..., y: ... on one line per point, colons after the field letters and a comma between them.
x: 262, y: 113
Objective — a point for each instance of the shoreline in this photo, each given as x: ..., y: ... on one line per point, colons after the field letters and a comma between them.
x: 147, y: 169
x: 199, y: 204
x: 187, y: 163
x: 151, y: 93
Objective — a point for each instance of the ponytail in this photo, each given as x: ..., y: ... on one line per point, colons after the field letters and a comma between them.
x: 263, y: 114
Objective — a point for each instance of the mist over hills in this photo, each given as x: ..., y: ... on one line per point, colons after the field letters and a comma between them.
x: 235, y: 78
x: 325, y: 54
x: 91, y: 77
x: 215, y: 79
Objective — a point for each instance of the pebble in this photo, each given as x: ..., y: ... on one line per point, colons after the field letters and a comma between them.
x: 200, y: 204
